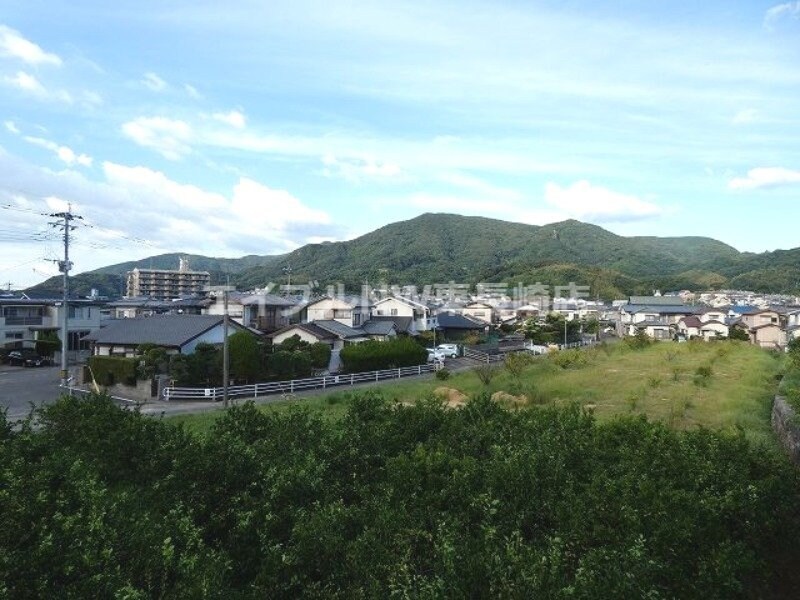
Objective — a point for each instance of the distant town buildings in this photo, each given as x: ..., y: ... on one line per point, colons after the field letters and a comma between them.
x: 163, y: 284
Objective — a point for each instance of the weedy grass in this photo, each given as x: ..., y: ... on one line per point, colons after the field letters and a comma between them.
x: 610, y: 381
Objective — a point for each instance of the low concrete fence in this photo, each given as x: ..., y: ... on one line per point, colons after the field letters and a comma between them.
x: 786, y: 424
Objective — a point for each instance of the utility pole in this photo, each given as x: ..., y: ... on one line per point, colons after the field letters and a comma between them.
x: 224, y: 289
x: 287, y: 270
x: 225, y: 360
x: 65, y: 266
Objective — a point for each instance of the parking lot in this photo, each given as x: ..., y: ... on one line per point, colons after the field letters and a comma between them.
x: 20, y: 388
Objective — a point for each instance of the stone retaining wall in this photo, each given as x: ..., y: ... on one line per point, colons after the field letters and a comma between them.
x: 786, y: 424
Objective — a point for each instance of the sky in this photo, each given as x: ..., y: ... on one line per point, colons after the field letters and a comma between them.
x: 253, y: 127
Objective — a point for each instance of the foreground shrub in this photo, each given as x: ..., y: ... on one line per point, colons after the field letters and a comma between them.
x: 391, y: 500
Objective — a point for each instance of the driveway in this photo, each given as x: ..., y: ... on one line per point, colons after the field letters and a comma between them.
x: 20, y: 388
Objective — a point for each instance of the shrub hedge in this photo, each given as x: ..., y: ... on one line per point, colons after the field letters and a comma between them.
x: 374, y: 355
x: 110, y: 370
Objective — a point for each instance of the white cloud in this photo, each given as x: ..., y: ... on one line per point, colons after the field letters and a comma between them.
x: 153, y: 82
x: 781, y: 11
x: 746, y: 116
x: 159, y: 186
x: 28, y: 83
x: 168, y: 137
x: 11, y: 126
x: 13, y: 44
x: 64, y: 153
x: 765, y: 177
x: 192, y: 91
x: 356, y: 169
x: 588, y: 202
x: 233, y: 118
x: 261, y: 207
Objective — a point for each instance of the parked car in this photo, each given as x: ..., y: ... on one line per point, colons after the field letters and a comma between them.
x: 434, y: 355
x: 449, y: 350
x: 27, y: 359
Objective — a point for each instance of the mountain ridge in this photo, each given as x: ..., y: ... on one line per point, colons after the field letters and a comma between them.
x: 439, y: 247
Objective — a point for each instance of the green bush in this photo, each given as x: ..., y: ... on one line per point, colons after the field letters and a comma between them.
x: 442, y: 374
x: 374, y: 355
x: 390, y: 501
x: 320, y: 355
x: 110, y: 370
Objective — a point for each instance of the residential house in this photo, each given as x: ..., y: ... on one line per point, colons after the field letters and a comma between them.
x: 352, y: 311
x: 420, y: 315
x: 695, y: 327
x: 262, y: 311
x: 479, y: 311
x: 768, y: 335
x: 658, y: 316
x: 23, y: 320
x: 454, y: 326
x: 177, y: 334
x: 793, y: 324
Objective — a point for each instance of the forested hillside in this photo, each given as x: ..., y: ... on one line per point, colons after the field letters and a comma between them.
x: 436, y: 248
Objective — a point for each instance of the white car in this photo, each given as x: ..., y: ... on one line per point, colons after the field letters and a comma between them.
x: 435, y: 355
x: 449, y: 350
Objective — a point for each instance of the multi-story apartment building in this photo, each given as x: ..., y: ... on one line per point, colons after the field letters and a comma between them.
x: 163, y: 284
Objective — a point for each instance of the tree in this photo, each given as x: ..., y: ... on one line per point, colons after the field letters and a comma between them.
x: 245, y: 357
x: 47, y: 343
x: 320, y: 354
x: 516, y: 363
x: 737, y: 333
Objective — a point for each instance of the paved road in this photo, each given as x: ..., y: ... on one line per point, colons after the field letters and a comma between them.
x: 21, y: 388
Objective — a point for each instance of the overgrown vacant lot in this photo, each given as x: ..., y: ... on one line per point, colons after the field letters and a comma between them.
x: 724, y: 385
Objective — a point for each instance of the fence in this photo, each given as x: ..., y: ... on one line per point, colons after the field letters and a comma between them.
x: 488, y: 358
x: 291, y: 387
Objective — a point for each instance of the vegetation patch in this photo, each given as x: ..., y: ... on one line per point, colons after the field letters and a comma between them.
x: 389, y: 500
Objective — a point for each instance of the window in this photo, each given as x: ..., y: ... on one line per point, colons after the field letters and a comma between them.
x: 394, y: 312
x: 14, y: 335
x: 356, y: 320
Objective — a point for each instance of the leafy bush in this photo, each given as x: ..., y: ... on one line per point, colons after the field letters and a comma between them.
x: 570, y: 359
x: 442, y: 374
x: 374, y: 355
x: 485, y: 373
x: 110, y: 370
x: 391, y: 500
x: 640, y: 341
x: 320, y: 355
x: 47, y: 343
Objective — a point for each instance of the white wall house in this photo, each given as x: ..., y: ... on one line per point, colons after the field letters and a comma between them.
x: 347, y: 310
x: 479, y: 311
x: 420, y: 314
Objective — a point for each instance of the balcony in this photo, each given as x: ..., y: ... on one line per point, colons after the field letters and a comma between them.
x: 24, y: 321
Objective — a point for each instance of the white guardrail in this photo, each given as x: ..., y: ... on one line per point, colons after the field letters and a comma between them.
x: 291, y: 387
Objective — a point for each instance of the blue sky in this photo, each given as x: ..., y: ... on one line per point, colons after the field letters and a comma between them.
x: 258, y: 127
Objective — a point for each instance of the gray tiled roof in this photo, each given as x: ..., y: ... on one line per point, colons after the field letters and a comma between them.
x: 455, y: 321
x: 163, y: 330
x: 318, y: 332
x: 656, y: 300
x: 381, y: 327
x: 340, y: 329
x: 403, y: 324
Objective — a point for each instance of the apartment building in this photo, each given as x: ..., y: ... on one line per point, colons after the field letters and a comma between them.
x: 163, y: 284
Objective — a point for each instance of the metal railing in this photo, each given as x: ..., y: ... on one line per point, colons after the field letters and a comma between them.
x: 285, y: 388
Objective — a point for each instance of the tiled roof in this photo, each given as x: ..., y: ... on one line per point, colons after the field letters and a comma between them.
x: 403, y: 324
x: 340, y: 329
x: 381, y: 327
x: 163, y: 330
x: 456, y: 321
x: 656, y: 300
x: 318, y: 332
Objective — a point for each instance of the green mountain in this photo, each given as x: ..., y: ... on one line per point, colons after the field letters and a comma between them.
x: 110, y: 280
x: 438, y: 248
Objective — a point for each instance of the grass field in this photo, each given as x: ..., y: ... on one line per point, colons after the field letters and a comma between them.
x: 725, y: 385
